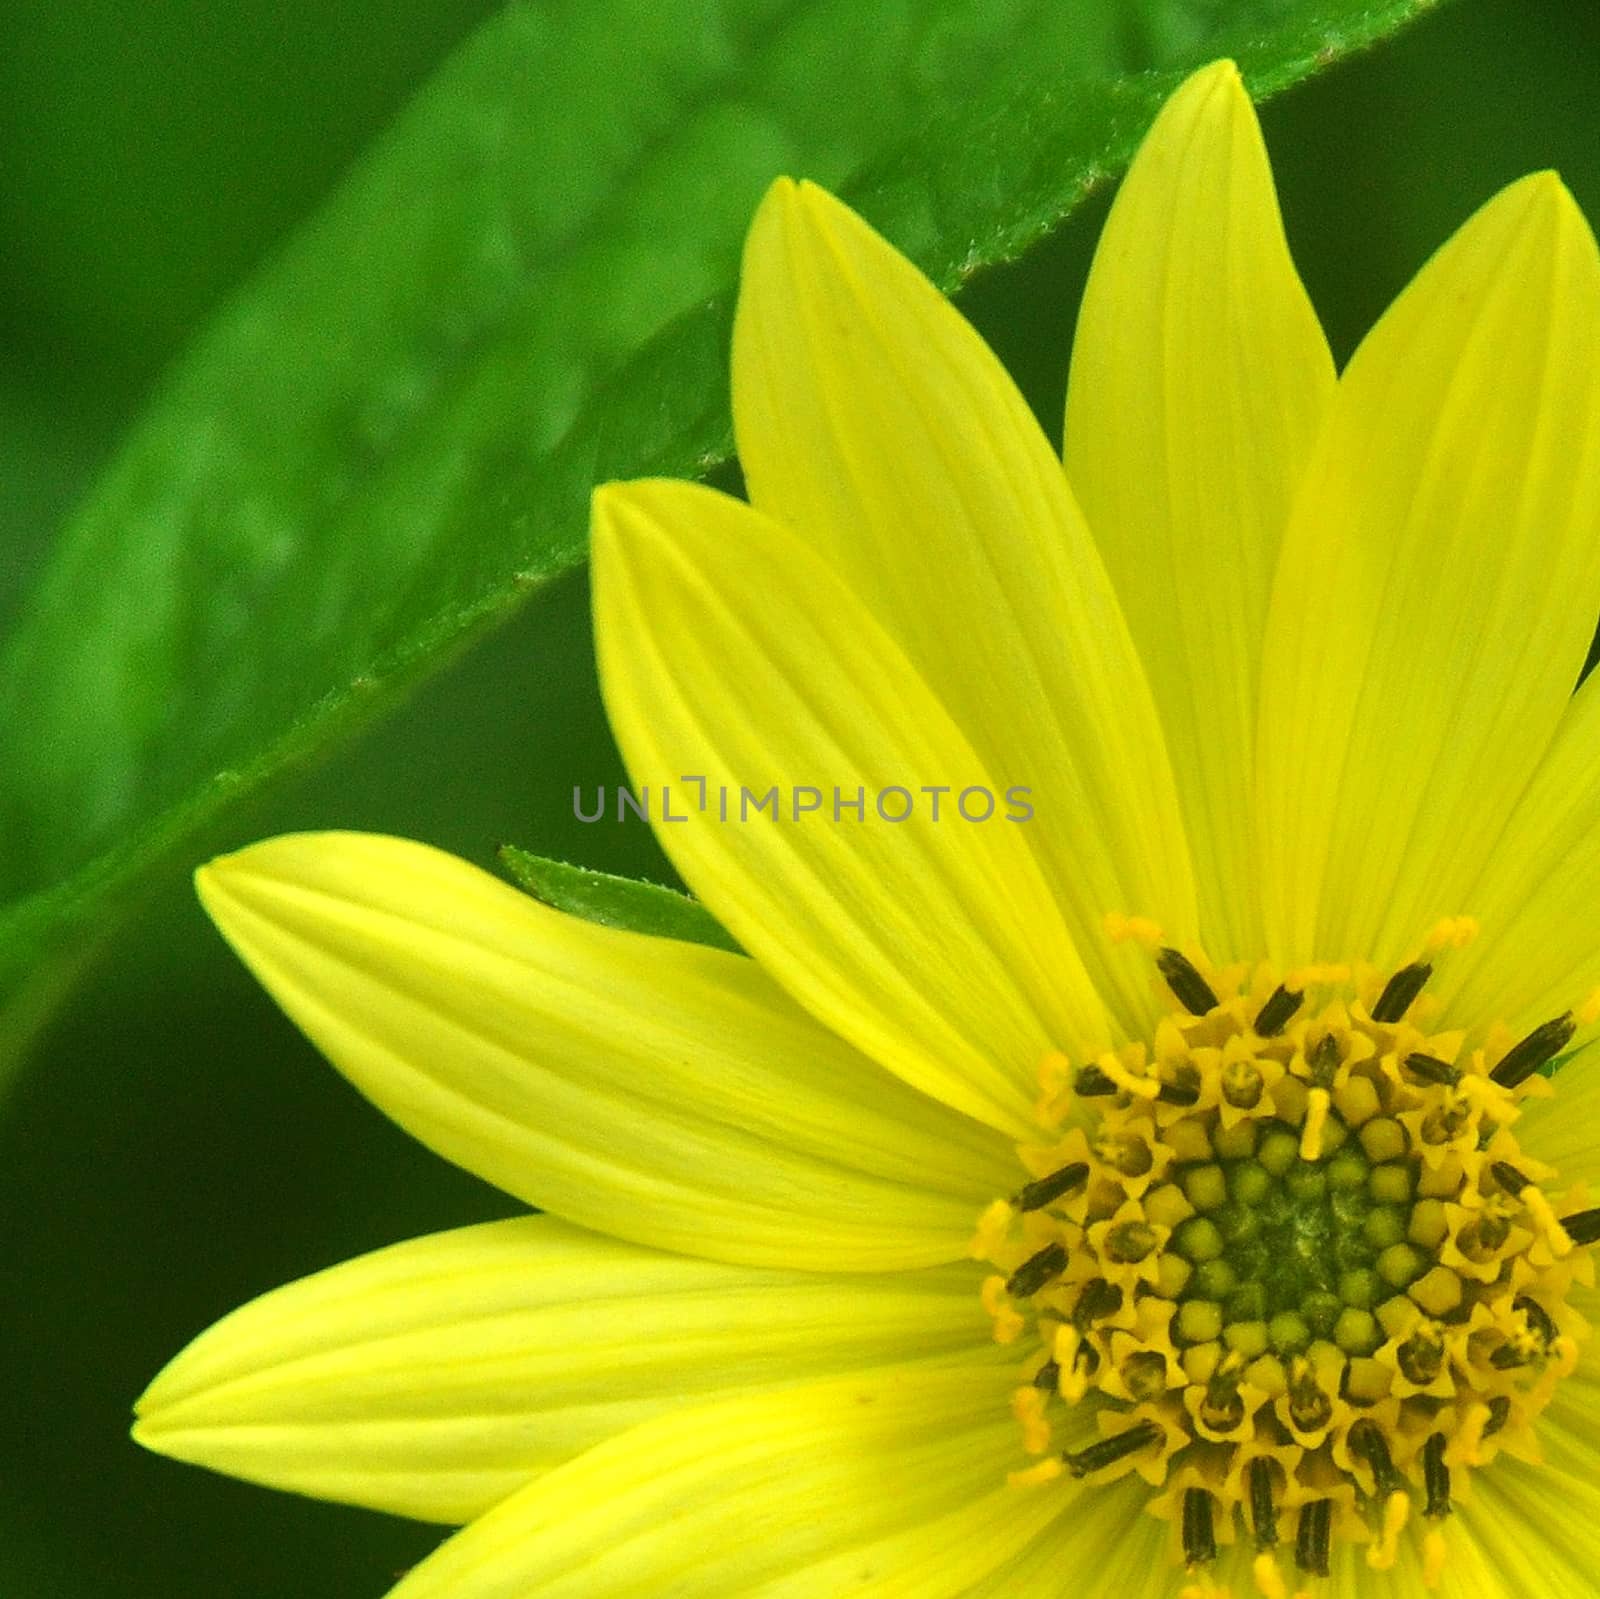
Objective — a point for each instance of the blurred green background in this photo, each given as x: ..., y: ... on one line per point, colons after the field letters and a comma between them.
x: 174, y: 1147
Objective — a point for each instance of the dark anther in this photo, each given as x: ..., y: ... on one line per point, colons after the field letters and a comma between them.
x: 1275, y: 1015
x: 1110, y: 1450
x: 1178, y: 1094
x: 1508, y: 1177
x: 1324, y: 1062
x: 1263, y: 1513
x: 1479, y: 1239
x: 1222, y: 1409
x: 1499, y: 1415
x: 1432, y: 1070
x: 1442, y: 1124
x: 1193, y: 992
x: 1309, y: 1408
x: 1099, y: 1298
x: 1092, y: 1083
x: 1539, y: 1048
x: 1400, y: 990
x: 1509, y: 1356
x: 1048, y: 1376
x: 1241, y: 1084
x: 1036, y: 1271
x: 1313, y: 1536
x: 1421, y: 1358
x: 1144, y: 1375
x: 1583, y: 1226
x: 1046, y: 1190
x: 1436, y: 1477
x: 1131, y: 1241
x: 1366, y: 1439
x: 1538, y: 1319
x: 1199, y: 1536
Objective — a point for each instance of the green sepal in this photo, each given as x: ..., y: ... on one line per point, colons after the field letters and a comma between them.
x: 612, y: 901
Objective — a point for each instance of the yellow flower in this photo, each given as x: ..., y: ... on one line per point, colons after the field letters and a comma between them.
x: 1131, y: 1178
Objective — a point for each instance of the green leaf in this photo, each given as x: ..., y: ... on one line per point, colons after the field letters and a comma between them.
x: 613, y: 901
x: 388, y: 438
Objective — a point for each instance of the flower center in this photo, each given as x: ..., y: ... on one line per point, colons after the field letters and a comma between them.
x: 1288, y: 1264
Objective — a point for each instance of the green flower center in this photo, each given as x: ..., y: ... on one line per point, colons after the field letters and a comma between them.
x: 1287, y: 1250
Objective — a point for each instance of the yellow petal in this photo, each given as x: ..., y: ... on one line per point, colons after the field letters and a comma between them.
x: 1106, y: 1532
x: 436, y: 1378
x: 1565, y: 1129
x: 730, y: 652
x: 657, y: 1091
x: 1473, y: 1549
x: 764, y: 1497
x: 1438, y: 586
x: 1539, y: 952
x: 872, y: 420
x: 1536, y: 1529
x: 1199, y: 378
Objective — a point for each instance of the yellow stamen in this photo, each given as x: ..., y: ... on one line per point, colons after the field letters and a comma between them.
x: 1269, y: 1579
x: 1549, y: 1225
x: 1119, y: 929
x: 1469, y: 1441
x: 1318, y: 1104
x: 1073, y: 1383
x: 1055, y: 1088
x: 1028, y: 1406
x: 1322, y: 974
x: 1435, y: 1551
x: 993, y: 1225
x: 1396, y: 1513
x: 1452, y: 932
x: 1008, y: 1323
x: 1129, y: 1082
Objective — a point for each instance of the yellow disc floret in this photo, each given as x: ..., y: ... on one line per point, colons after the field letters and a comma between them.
x: 1288, y: 1263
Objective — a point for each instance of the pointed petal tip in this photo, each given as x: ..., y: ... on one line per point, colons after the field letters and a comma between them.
x: 1210, y: 107
x: 213, y: 876
x: 212, y: 879
x: 607, y: 502
x: 810, y: 210
x: 1542, y: 199
x: 1216, y: 89
x: 146, y: 1429
x: 315, y: 858
x: 1221, y: 73
x: 180, y: 1443
x: 1542, y: 208
x: 167, y: 1388
x: 629, y: 510
x: 1546, y: 185
x: 780, y: 201
x: 643, y: 508
x: 783, y: 191
x: 811, y: 194
x: 766, y: 242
